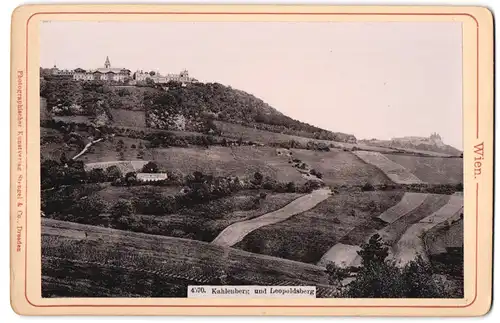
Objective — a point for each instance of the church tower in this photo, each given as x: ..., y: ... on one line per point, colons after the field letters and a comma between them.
x: 107, y: 64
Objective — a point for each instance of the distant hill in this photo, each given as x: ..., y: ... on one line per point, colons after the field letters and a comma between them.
x: 432, y: 143
x: 175, y: 107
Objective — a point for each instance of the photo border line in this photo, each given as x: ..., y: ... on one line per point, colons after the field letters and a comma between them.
x: 257, y: 13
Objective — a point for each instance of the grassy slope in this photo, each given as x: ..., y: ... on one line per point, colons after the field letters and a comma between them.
x: 104, y: 263
x: 228, y: 161
x: 216, y: 160
x: 307, y: 236
x: 432, y: 170
x: 128, y: 118
x: 106, y: 151
x: 341, y: 167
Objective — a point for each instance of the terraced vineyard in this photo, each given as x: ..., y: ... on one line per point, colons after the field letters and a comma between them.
x: 103, y: 262
x: 393, y: 232
x: 341, y: 167
x: 237, y: 231
x: 397, y: 173
x: 432, y: 170
x: 345, y: 253
x: 309, y: 235
x: 411, y: 242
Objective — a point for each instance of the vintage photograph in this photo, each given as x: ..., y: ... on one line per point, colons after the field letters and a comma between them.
x: 292, y: 154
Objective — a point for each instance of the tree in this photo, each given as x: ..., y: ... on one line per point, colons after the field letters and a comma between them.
x: 120, y: 145
x: 152, y: 73
x: 97, y: 175
x: 373, y: 252
x: 130, y: 178
x: 113, y: 173
x: 63, y: 159
x: 150, y: 167
x: 122, y: 208
x: 368, y: 187
x: 419, y: 280
x: 290, y: 187
x: 257, y: 178
x: 336, y: 274
x: 88, y: 208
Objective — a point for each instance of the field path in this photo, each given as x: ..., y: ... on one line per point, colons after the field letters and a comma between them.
x: 87, y: 146
x: 237, y: 231
x: 396, y: 173
x: 411, y: 243
x: 408, y: 203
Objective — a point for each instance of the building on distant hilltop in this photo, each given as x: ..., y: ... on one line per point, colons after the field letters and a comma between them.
x: 106, y: 73
x: 120, y: 74
x: 62, y: 74
x: 433, y: 139
x: 182, y: 77
x: 151, y: 177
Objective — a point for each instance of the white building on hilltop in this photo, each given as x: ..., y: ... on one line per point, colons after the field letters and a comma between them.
x: 106, y: 73
x: 120, y: 74
x: 182, y: 77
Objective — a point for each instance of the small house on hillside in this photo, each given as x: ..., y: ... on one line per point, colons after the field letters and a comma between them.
x: 151, y: 177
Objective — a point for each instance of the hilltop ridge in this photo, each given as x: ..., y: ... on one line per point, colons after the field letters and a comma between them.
x: 432, y: 143
x: 176, y: 106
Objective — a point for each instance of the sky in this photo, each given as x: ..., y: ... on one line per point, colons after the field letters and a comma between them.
x: 371, y: 79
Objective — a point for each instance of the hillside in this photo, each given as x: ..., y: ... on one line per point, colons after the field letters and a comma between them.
x: 193, y: 107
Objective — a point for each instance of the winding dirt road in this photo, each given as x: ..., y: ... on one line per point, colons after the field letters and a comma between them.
x: 87, y: 147
x: 237, y: 231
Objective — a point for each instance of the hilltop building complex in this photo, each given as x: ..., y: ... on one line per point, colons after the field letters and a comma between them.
x: 120, y: 74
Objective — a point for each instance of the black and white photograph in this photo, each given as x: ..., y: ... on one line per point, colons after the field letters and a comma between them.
x: 292, y: 155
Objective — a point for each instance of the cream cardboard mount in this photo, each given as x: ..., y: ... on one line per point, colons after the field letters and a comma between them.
x: 251, y: 160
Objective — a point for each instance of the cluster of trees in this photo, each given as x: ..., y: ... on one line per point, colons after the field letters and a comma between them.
x: 267, y: 183
x: 157, y: 139
x: 379, y: 278
x: 91, y: 98
x: 67, y: 97
x: 446, y: 189
x: 310, y: 145
x: 55, y: 174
